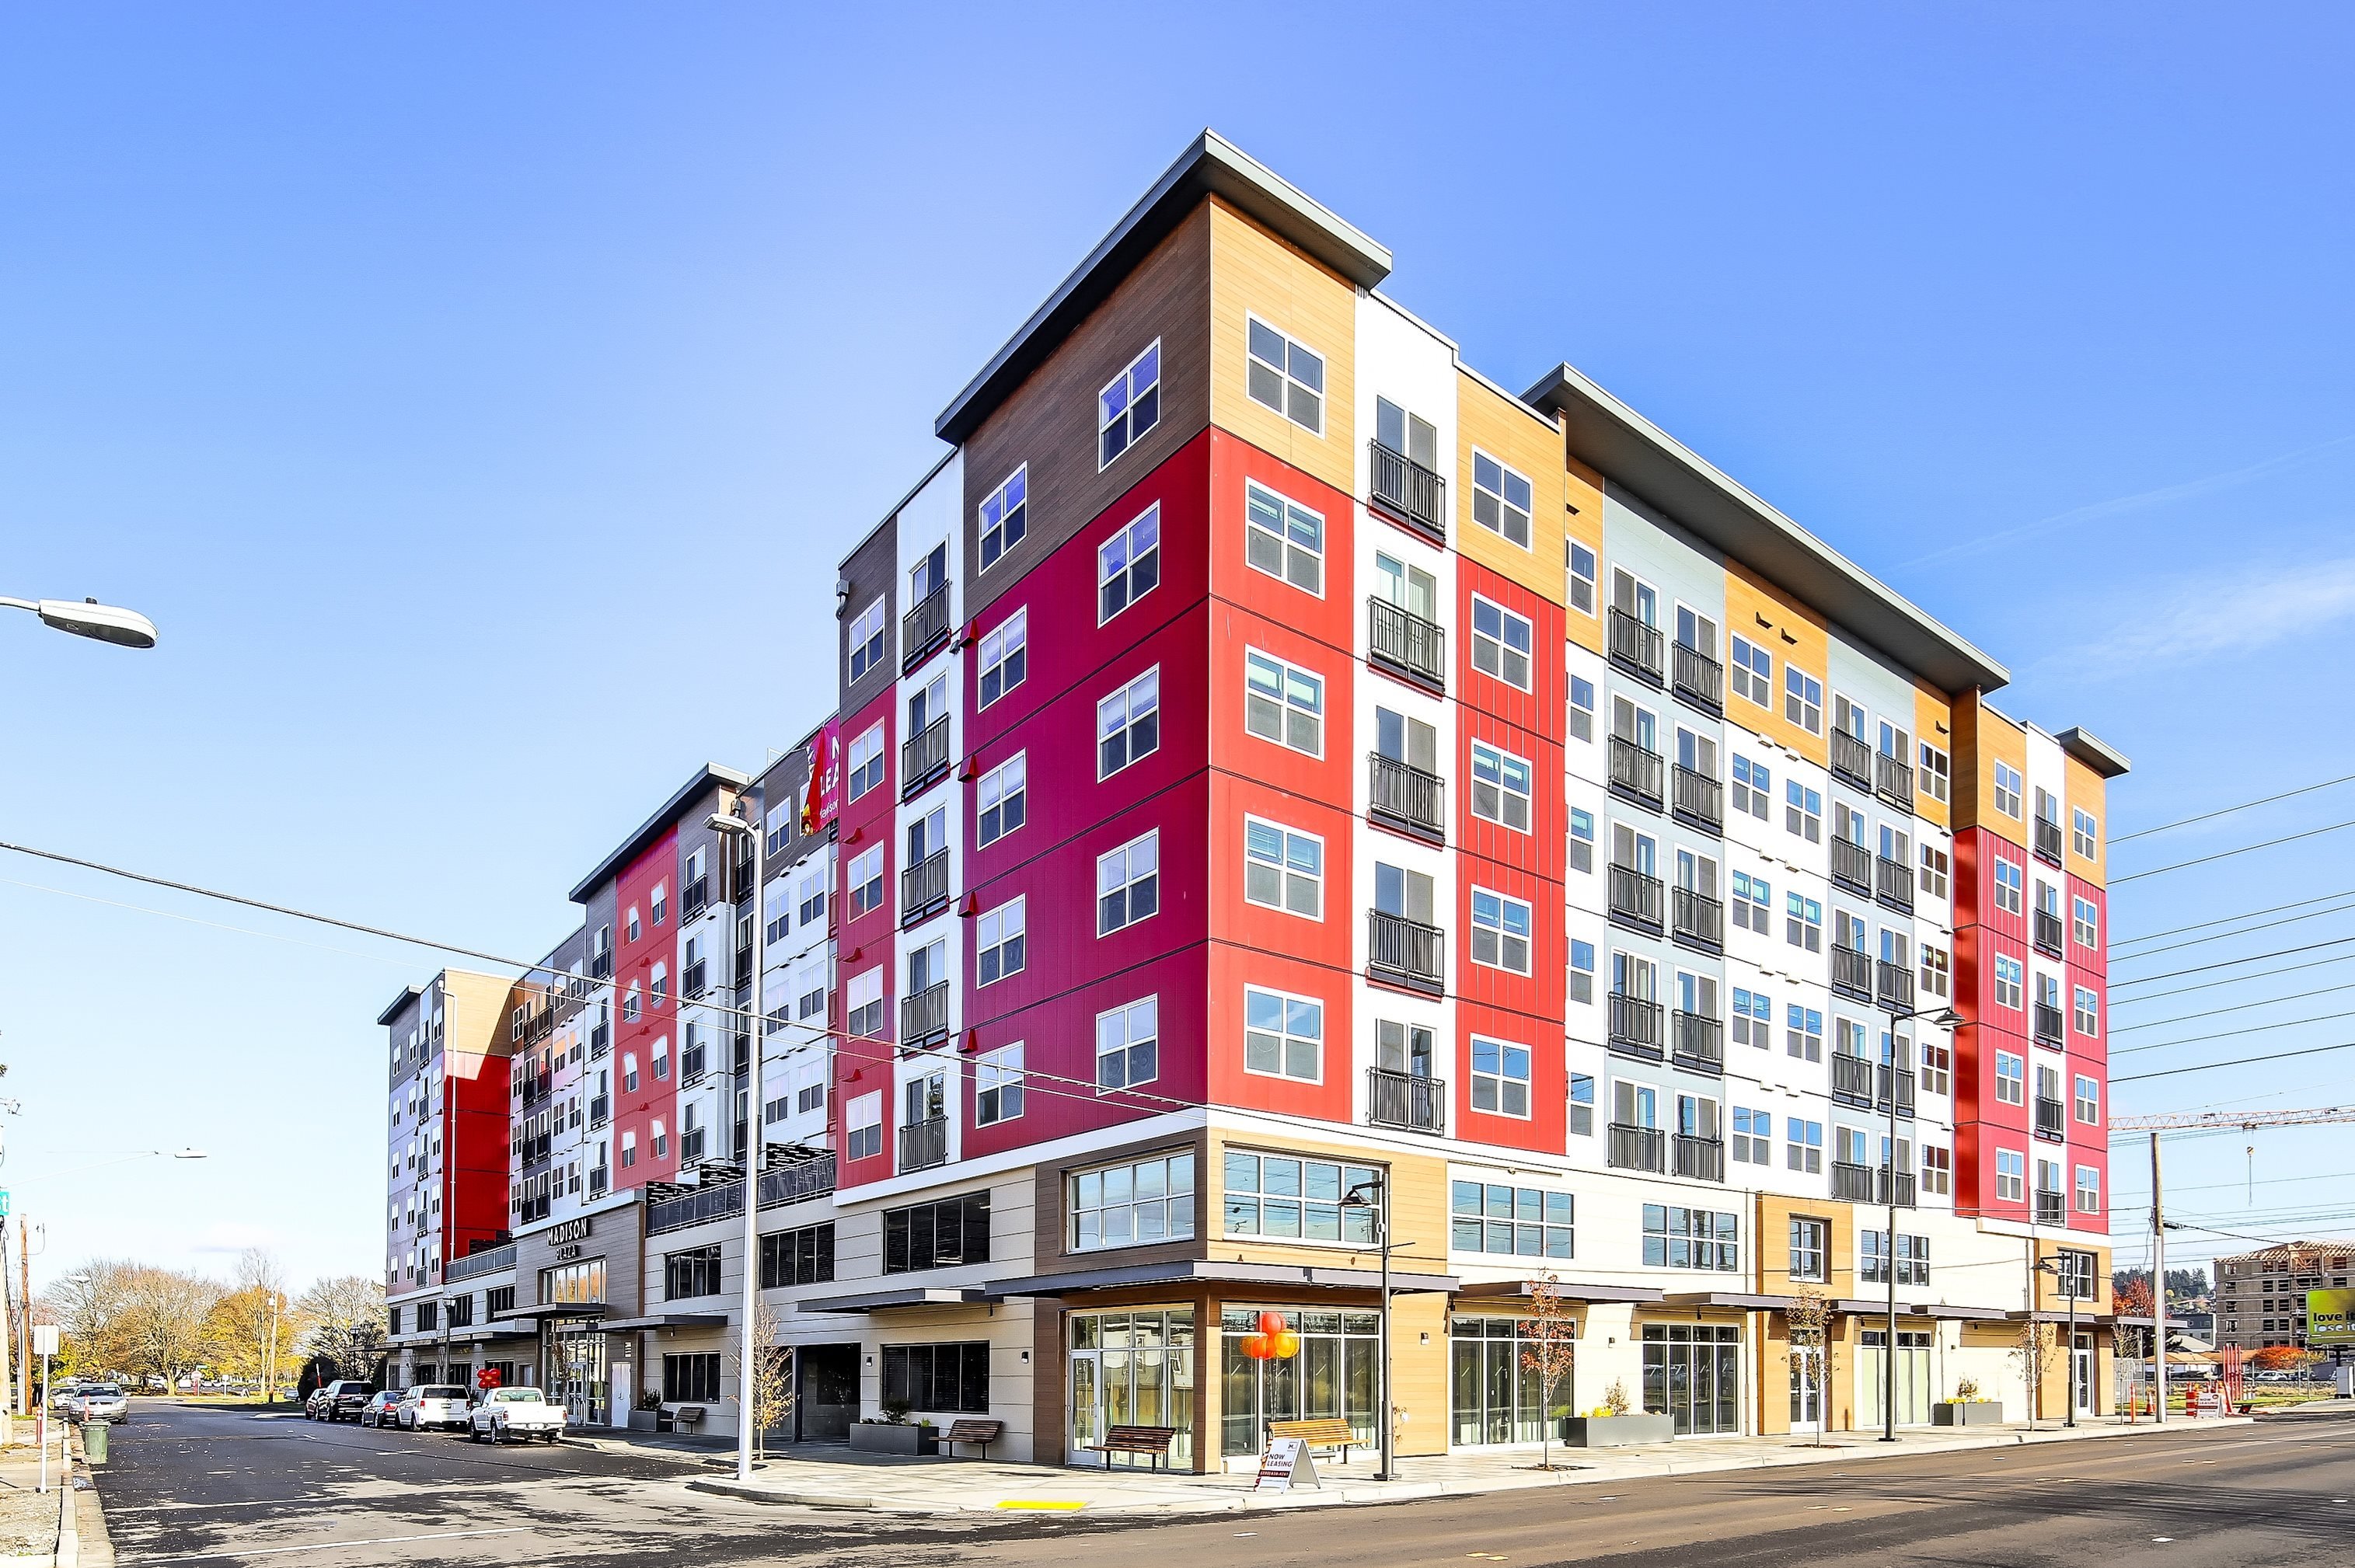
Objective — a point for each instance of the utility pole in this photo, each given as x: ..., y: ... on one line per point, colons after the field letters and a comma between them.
x: 7, y: 1331
x: 2158, y: 1280
x: 25, y: 1317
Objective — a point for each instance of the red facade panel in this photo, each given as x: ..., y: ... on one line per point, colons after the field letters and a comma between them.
x: 654, y: 1099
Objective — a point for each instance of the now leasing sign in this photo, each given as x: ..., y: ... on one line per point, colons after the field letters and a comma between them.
x: 2330, y: 1318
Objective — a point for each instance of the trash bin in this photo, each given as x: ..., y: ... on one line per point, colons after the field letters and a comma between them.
x: 93, y: 1440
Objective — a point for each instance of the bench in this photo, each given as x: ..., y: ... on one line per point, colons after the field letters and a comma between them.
x: 980, y: 1433
x: 688, y: 1415
x: 1151, y: 1440
x: 1331, y: 1432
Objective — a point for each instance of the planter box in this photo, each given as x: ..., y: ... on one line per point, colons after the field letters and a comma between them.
x: 1966, y: 1413
x: 642, y: 1420
x: 885, y: 1437
x: 1617, y: 1430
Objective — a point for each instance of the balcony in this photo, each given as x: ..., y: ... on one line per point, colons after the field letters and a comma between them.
x: 1699, y: 800
x: 1635, y: 898
x: 1892, y: 989
x: 1404, y: 644
x: 1405, y: 952
x: 1700, y: 1158
x: 601, y: 1040
x: 1405, y: 797
x: 2051, y: 1208
x: 1401, y: 1099
x: 924, y: 758
x: 601, y: 1111
x: 797, y: 1181
x: 2048, y: 841
x: 1699, y: 920
x: 924, y: 1144
x: 923, y: 629
x: 1851, y: 973
x: 1892, y: 884
x: 1851, y: 760
x: 1905, y: 1188
x: 1699, y: 1042
x: 1636, y: 773
x: 2051, y: 1120
x: 695, y: 1206
x: 1905, y: 1092
x: 1698, y: 679
x: 1638, y: 1148
x: 490, y: 1260
x: 2046, y: 937
x: 1852, y: 1079
x: 1852, y: 1183
x: 1892, y: 780
x: 1408, y: 493
x: 1636, y: 1026
x: 1851, y: 867
x: 1635, y: 647
x: 2048, y: 1025
x: 695, y: 898
x: 601, y: 965
x: 925, y: 888
x: 694, y: 980
x: 924, y: 1017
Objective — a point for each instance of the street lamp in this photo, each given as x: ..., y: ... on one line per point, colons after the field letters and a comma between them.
x: 1379, y: 1209
x: 2064, y: 1273
x: 101, y: 622
x: 1947, y: 1018
x: 727, y: 824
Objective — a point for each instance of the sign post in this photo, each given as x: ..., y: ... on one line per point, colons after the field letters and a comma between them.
x: 45, y: 1345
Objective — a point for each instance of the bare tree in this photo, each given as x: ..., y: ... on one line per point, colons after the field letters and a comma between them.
x: 346, y: 1323
x: 2035, y: 1340
x: 1808, y: 1317
x: 772, y: 1382
x: 1549, y: 1346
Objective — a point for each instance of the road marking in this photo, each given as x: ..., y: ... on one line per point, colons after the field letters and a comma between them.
x: 2160, y: 1539
x: 1049, y: 1505
x: 333, y: 1545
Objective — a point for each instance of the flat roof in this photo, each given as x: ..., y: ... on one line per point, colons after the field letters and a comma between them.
x: 711, y: 773
x: 1211, y: 165
x: 1628, y: 448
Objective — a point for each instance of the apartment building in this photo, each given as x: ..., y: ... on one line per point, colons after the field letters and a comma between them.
x: 2261, y: 1295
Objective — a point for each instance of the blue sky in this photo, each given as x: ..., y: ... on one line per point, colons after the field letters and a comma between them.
x: 478, y: 397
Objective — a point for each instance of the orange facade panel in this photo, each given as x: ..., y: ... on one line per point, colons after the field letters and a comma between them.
x: 1582, y: 524
x: 1256, y: 277
x: 2086, y: 790
x: 1793, y: 638
x: 1984, y: 738
x: 1501, y: 445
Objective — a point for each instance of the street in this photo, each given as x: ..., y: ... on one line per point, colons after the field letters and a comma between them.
x: 211, y: 1484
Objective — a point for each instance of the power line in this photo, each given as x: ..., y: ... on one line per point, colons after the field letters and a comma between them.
x: 2229, y: 1033
x: 2118, y: 1002
x: 2228, y: 810
x: 2236, y: 1061
x: 2228, y: 963
x: 2227, y: 855
x: 2118, y: 1029
x: 2227, y: 936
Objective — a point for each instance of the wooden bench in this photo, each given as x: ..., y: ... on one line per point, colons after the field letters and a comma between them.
x: 980, y: 1433
x: 688, y: 1415
x: 1331, y: 1432
x: 1151, y: 1440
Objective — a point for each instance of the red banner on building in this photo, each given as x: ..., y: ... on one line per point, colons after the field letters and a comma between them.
x: 823, y: 800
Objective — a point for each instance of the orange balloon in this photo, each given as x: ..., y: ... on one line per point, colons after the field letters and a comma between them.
x: 1270, y: 1323
x: 1286, y: 1346
x: 1255, y: 1345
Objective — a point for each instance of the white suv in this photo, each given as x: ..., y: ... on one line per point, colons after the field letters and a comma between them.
x: 432, y: 1404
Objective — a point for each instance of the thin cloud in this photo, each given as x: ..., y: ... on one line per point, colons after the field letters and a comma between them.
x: 2203, y: 619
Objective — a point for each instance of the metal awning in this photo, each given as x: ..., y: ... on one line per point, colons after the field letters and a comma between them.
x: 1568, y: 1290
x: 1954, y: 1314
x: 884, y: 1300
x: 560, y: 1309
x: 2084, y: 1319
x: 1203, y: 1271
x: 665, y: 1320
x: 1735, y: 1298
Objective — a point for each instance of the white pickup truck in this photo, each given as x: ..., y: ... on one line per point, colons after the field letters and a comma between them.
x: 506, y: 1412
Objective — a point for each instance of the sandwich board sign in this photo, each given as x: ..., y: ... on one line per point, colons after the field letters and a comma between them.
x: 1285, y: 1462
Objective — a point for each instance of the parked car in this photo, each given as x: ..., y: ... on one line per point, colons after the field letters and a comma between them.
x: 344, y: 1397
x: 100, y: 1401
x: 379, y: 1409
x: 507, y: 1413
x: 428, y: 1404
x: 65, y: 1401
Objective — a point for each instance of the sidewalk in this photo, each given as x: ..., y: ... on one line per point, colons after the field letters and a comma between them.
x: 939, y: 1486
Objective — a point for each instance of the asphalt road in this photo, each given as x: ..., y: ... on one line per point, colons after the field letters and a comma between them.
x: 209, y: 1485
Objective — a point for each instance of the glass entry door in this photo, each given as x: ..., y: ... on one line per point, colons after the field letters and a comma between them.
x: 579, y: 1365
x: 2081, y: 1374
x: 1807, y: 1389
x: 1693, y: 1372
x: 1912, y: 1376
x: 1131, y: 1369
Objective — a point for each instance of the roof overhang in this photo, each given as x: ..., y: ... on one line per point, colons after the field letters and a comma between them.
x: 665, y: 1320
x: 885, y: 1300
x: 2086, y: 1318
x: 1954, y: 1314
x: 1211, y: 166
x: 2096, y: 754
x: 710, y: 775
x: 1743, y: 1300
x: 408, y: 994
x: 1568, y: 1290
x: 558, y: 1310
x: 1629, y: 450
x: 1202, y: 1271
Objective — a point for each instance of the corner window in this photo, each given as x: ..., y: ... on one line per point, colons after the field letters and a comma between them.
x: 1284, y: 1036
x: 1286, y: 377
x: 1284, y: 703
x: 1284, y: 869
x: 867, y: 639
x: 1005, y: 656
x: 1297, y: 1199
x: 1133, y: 1205
x: 1128, y: 564
x: 1129, y: 406
x: 1001, y: 800
x: 1284, y: 538
x: 1500, y: 499
x: 1128, y: 1045
x: 1501, y: 642
x: 1004, y: 518
x: 1128, y: 724
x: 1129, y: 884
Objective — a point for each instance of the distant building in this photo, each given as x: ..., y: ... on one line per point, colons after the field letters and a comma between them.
x: 2261, y: 1295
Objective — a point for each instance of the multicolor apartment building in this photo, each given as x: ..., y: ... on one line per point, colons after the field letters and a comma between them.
x: 1450, y: 815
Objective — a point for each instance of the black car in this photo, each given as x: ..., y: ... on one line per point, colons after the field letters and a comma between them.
x: 344, y: 1399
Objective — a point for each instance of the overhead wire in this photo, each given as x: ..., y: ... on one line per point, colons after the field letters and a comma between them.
x: 2228, y: 810
x: 2117, y: 957
x: 2236, y: 1061
x: 2229, y: 1033
x: 2228, y: 854
x: 2118, y: 1002
x: 2228, y: 963
x: 2118, y: 1029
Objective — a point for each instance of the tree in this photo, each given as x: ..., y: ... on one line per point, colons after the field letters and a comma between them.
x: 346, y: 1318
x: 2033, y: 1347
x: 1808, y: 1318
x: 2130, y: 1297
x: 773, y: 1381
x: 135, y: 1319
x: 1549, y: 1344
x: 2281, y: 1358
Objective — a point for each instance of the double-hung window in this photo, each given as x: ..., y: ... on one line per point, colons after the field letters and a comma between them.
x: 1284, y: 703
x: 1752, y: 674
x: 1753, y: 788
x: 1129, y: 884
x: 864, y: 1001
x: 1004, y: 655
x: 1005, y: 517
x: 1581, y: 708
x: 1000, y: 942
x: 1581, y: 838
x: 2087, y: 1010
x: 1500, y: 499
x: 2085, y: 923
x: 1284, y: 1036
x: 1500, y: 931
x: 1804, y: 1032
x: 1500, y: 1077
x: 1128, y: 564
x: 1753, y: 1019
x: 1128, y: 724
x: 1500, y: 786
x: 1579, y: 575
x: 2084, y: 832
x: 2088, y: 1099
x: 1936, y: 773
x: 997, y: 1085
x: 2010, y: 887
x: 1803, y: 922
x: 2008, y: 784
x: 1286, y: 377
x: 1129, y: 406
x: 1803, y: 810
x: 1001, y: 798
x: 1283, y: 868
x: 1803, y: 699
x: 2011, y: 1078
x: 2089, y: 1202
x: 1128, y: 1045
x: 865, y: 639
x: 2011, y: 1175
x: 1935, y: 868
x: 1753, y: 1137
x: 2007, y: 975
x: 1284, y: 538
x: 866, y: 761
x: 1804, y: 1142
x: 862, y: 1122
x: 1501, y: 642
x: 867, y: 882
x: 1754, y: 904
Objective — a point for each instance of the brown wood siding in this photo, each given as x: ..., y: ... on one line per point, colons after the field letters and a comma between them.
x: 873, y: 568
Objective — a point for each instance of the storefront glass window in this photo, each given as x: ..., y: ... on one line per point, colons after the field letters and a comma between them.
x: 1334, y: 1375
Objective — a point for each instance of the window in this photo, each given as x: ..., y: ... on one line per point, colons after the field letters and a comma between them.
x: 2011, y: 1175
x: 659, y: 1139
x: 862, y: 1120
x: 1934, y: 866
x: 1810, y: 1247
x: 1284, y: 703
x: 1286, y: 377
x: 2087, y: 1011
x: 1753, y: 1019
x: 1128, y: 564
x: 1937, y: 1068
x: 1754, y: 904
x: 1500, y: 499
x: 1001, y: 798
x: 867, y: 639
x: 1804, y: 1032
x: 1753, y: 1137
x: 1501, y: 642
x: 1753, y: 674
x: 1581, y: 838
x: 1934, y: 773
x: 2009, y: 891
x: 1128, y: 407
x: 1284, y: 538
x: 1803, y: 699
x: 1580, y: 561
x: 2089, y: 1199
x: 662, y: 1060
x: 801, y: 1256
x: 1500, y: 787
x: 865, y: 1003
x: 1675, y: 1237
x: 692, y: 1378
x: 866, y: 761
x: 1937, y: 971
x: 1803, y: 810
x: 937, y: 1233
x: 1129, y: 884
x: 2007, y: 789
x: 1512, y: 1221
x: 1004, y: 518
x: 2011, y: 1078
x: 1133, y: 1205
x: 999, y: 939
x: 1284, y: 1036
x: 2089, y: 1099
x: 1500, y: 931
x: 1803, y: 923
x: 813, y: 896
x: 2085, y: 923
x: 1281, y: 1195
x: 1581, y: 971
x: 2006, y: 982
x: 695, y: 1272
x: 953, y: 1379
x: 1913, y: 1258
x: 629, y: 1147
x: 1938, y: 1169
x: 867, y: 882
x: 1128, y: 1045
x: 1582, y: 1104
x: 1005, y: 656
x: 1128, y: 724
x: 2085, y: 833
x: 631, y: 929
x: 633, y: 1003
x: 1284, y: 869
x: 659, y: 987
x: 997, y: 1085
x: 1500, y: 1077
x: 1753, y: 788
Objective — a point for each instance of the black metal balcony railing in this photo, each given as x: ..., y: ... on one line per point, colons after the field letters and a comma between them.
x: 1404, y: 489
x: 1851, y: 973
x: 1635, y: 1026
x: 1402, y: 1100
x: 1699, y: 1042
x: 490, y: 1260
x: 2051, y: 1118
x: 1905, y: 1188
x: 1635, y: 647
x: 694, y: 980
x: 1403, y: 641
x: 1851, y: 759
x: 1905, y: 1092
x: 1638, y: 1148
x: 2047, y: 936
x: 601, y: 965
x: 1406, y: 952
x: 695, y: 1206
x: 2048, y: 1025
x: 1698, y: 800
x: 2051, y: 1208
x: 1851, y: 1079
x: 1635, y: 898
x: 695, y: 898
x: 924, y: 627
x: 600, y: 1108
x: 1699, y: 919
x: 1893, y: 883
x: 924, y: 1144
x: 1697, y: 678
x: 925, y: 888
x: 1635, y: 770
x: 1851, y: 867
x: 924, y: 1017
x: 1893, y: 989
x: 1852, y: 1183
x: 601, y: 1040
x: 2047, y: 841
x: 1404, y: 797
x: 1700, y: 1158
x: 1892, y: 780
x: 794, y: 1183
x: 924, y: 756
